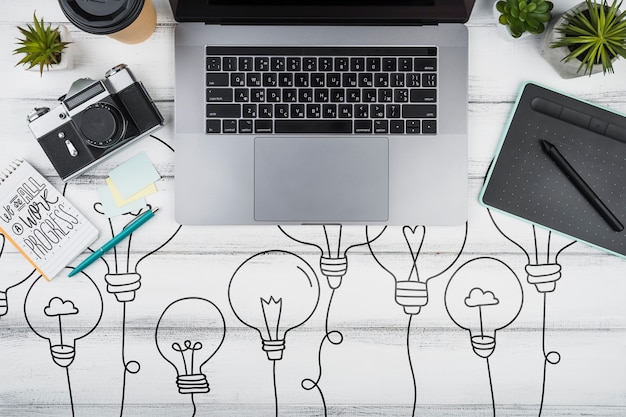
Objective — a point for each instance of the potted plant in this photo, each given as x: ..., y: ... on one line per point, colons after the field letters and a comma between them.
x: 587, y: 39
x: 523, y: 16
x: 43, y: 46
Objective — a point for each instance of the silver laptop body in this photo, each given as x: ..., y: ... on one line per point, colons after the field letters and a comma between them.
x: 353, y: 178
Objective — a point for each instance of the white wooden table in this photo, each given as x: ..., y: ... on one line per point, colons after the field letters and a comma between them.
x: 359, y: 353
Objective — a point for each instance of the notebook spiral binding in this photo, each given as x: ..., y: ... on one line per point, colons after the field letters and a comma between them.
x: 4, y: 174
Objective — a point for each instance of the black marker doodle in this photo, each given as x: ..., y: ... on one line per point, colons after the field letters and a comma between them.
x: 274, y: 292
x: 542, y: 249
x: 483, y: 296
x: 410, y: 274
x: 8, y: 280
x: 189, y: 333
x: 122, y: 262
x: 333, y: 241
x: 63, y: 311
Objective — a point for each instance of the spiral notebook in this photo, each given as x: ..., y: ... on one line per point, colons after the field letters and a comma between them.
x: 525, y: 182
x: 39, y: 221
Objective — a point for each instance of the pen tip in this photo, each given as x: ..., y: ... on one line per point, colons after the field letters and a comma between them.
x: 545, y: 144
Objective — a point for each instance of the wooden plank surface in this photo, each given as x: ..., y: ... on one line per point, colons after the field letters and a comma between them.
x: 384, y: 363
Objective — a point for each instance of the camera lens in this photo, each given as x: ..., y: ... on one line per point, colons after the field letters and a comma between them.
x: 102, y: 125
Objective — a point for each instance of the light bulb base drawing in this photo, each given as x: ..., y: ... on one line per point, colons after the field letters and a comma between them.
x: 334, y: 269
x: 63, y: 355
x: 543, y: 276
x: 411, y: 295
x: 274, y: 349
x: 483, y: 345
x: 4, y: 304
x: 123, y: 286
x: 192, y: 384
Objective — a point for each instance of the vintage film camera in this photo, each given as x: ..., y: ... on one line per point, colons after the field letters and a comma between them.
x: 95, y: 120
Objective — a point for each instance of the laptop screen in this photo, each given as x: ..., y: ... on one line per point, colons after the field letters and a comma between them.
x: 372, y: 12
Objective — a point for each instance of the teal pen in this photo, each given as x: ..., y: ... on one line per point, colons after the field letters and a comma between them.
x: 98, y: 253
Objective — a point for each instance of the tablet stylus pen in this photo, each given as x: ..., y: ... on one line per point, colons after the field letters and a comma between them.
x: 98, y: 253
x: 582, y: 186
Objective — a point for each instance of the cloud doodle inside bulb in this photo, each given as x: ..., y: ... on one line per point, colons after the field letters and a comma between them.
x: 59, y: 307
x: 479, y: 298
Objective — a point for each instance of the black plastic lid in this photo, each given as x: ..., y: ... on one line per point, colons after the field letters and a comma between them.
x: 101, y: 17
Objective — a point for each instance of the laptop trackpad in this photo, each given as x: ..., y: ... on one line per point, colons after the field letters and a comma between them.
x: 321, y: 179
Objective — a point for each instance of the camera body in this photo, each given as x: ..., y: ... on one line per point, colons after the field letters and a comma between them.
x: 94, y: 121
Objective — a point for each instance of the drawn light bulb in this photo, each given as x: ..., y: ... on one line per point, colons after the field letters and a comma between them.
x: 189, y: 333
x: 9, y: 278
x: 333, y: 241
x: 122, y: 277
x: 483, y: 296
x: 63, y: 311
x: 274, y: 292
x: 541, y: 246
x: 402, y: 252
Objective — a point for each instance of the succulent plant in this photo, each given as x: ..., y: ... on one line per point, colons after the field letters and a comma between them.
x: 41, y: 45
x: 595, y: 35
x: 524, y: 15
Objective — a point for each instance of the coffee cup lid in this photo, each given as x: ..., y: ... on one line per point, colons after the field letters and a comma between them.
x: 101, y: 17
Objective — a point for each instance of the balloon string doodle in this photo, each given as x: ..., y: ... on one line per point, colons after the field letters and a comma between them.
x: 551, y: 357
x: 493, y: 398
x: 408, y: 351
x: 131, y: 367
x: 334, y: 337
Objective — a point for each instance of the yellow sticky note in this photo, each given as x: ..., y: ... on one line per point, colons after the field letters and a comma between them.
x: 121, y: 201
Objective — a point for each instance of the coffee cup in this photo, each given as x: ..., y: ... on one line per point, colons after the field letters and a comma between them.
x: 128, y: 21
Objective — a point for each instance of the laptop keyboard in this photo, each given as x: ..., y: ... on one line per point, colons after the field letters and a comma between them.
x: 300, y: 90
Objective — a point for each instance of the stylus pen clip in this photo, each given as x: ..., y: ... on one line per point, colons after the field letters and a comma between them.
x: 581, y: 185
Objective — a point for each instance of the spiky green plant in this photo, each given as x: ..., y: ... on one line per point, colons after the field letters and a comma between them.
x: 596, y: 35
x: 41, y: 45
x: 524, y: 15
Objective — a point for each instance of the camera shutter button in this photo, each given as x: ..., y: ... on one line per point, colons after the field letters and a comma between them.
x: 102, y: 125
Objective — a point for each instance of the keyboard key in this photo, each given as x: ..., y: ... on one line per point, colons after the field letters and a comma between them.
x: 396, y: 126
x: 261, y: 64
x: 329, y: 111
x: 361, y: 111
x: 400, y: 95
x: 366, y: 79
x: 322, y: 95
x: 285, y: 79
x: 219, y: 94
x: 429, y: 80
x: 273, y: 95
x: 229, y: 126
x: 362, y: 126
x: 242, y: 95
x: 318, y: 80
x: 429, y: 126
x: 253, y: 79
x: 349, y: 79
x: 423, y: 95
x: 381, y: 79
x: 381, y: 126
x: 217, y: 79
x: 305, y: 95
x: 342, y: 64
x: 263, y: 126
x: 277, y: 63
x: 257, y: 95
x: 229, y: 63
x: 270, y: 79
x: 389, y: 64
x: 245, y: 126
x: 301, y: 79
x: 377, y: 111
x: 213, y: 63
x: 228, y: 111
x: 309, y: 64
x: 249, y: 111
x: 413, y: 80
x: 313, y: 111
x: 213, y: 126
x: 293, y: 64
x: 425, y: 64
x: 337, y: 95
x: 237, y: 79
x: 353, y: 95
x: 412, y: 126
x: 392, y: 111
x: 372, y: 64
x: 266, y: 111
x: 313, y: 126
x: 333, y: 79
x: 405, y: 64
x: 396, y: 79
x: 325, y: 64
x: 290, y: 95
x: 357, y: 64
x: 281, y: 110
x: 418, y: 111
x: 385, y: 95
x: 296, y: 111
x: 345, y: 111
x: 246, y: 64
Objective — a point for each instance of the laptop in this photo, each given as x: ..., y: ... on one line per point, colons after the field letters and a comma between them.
x: 319, y: 111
